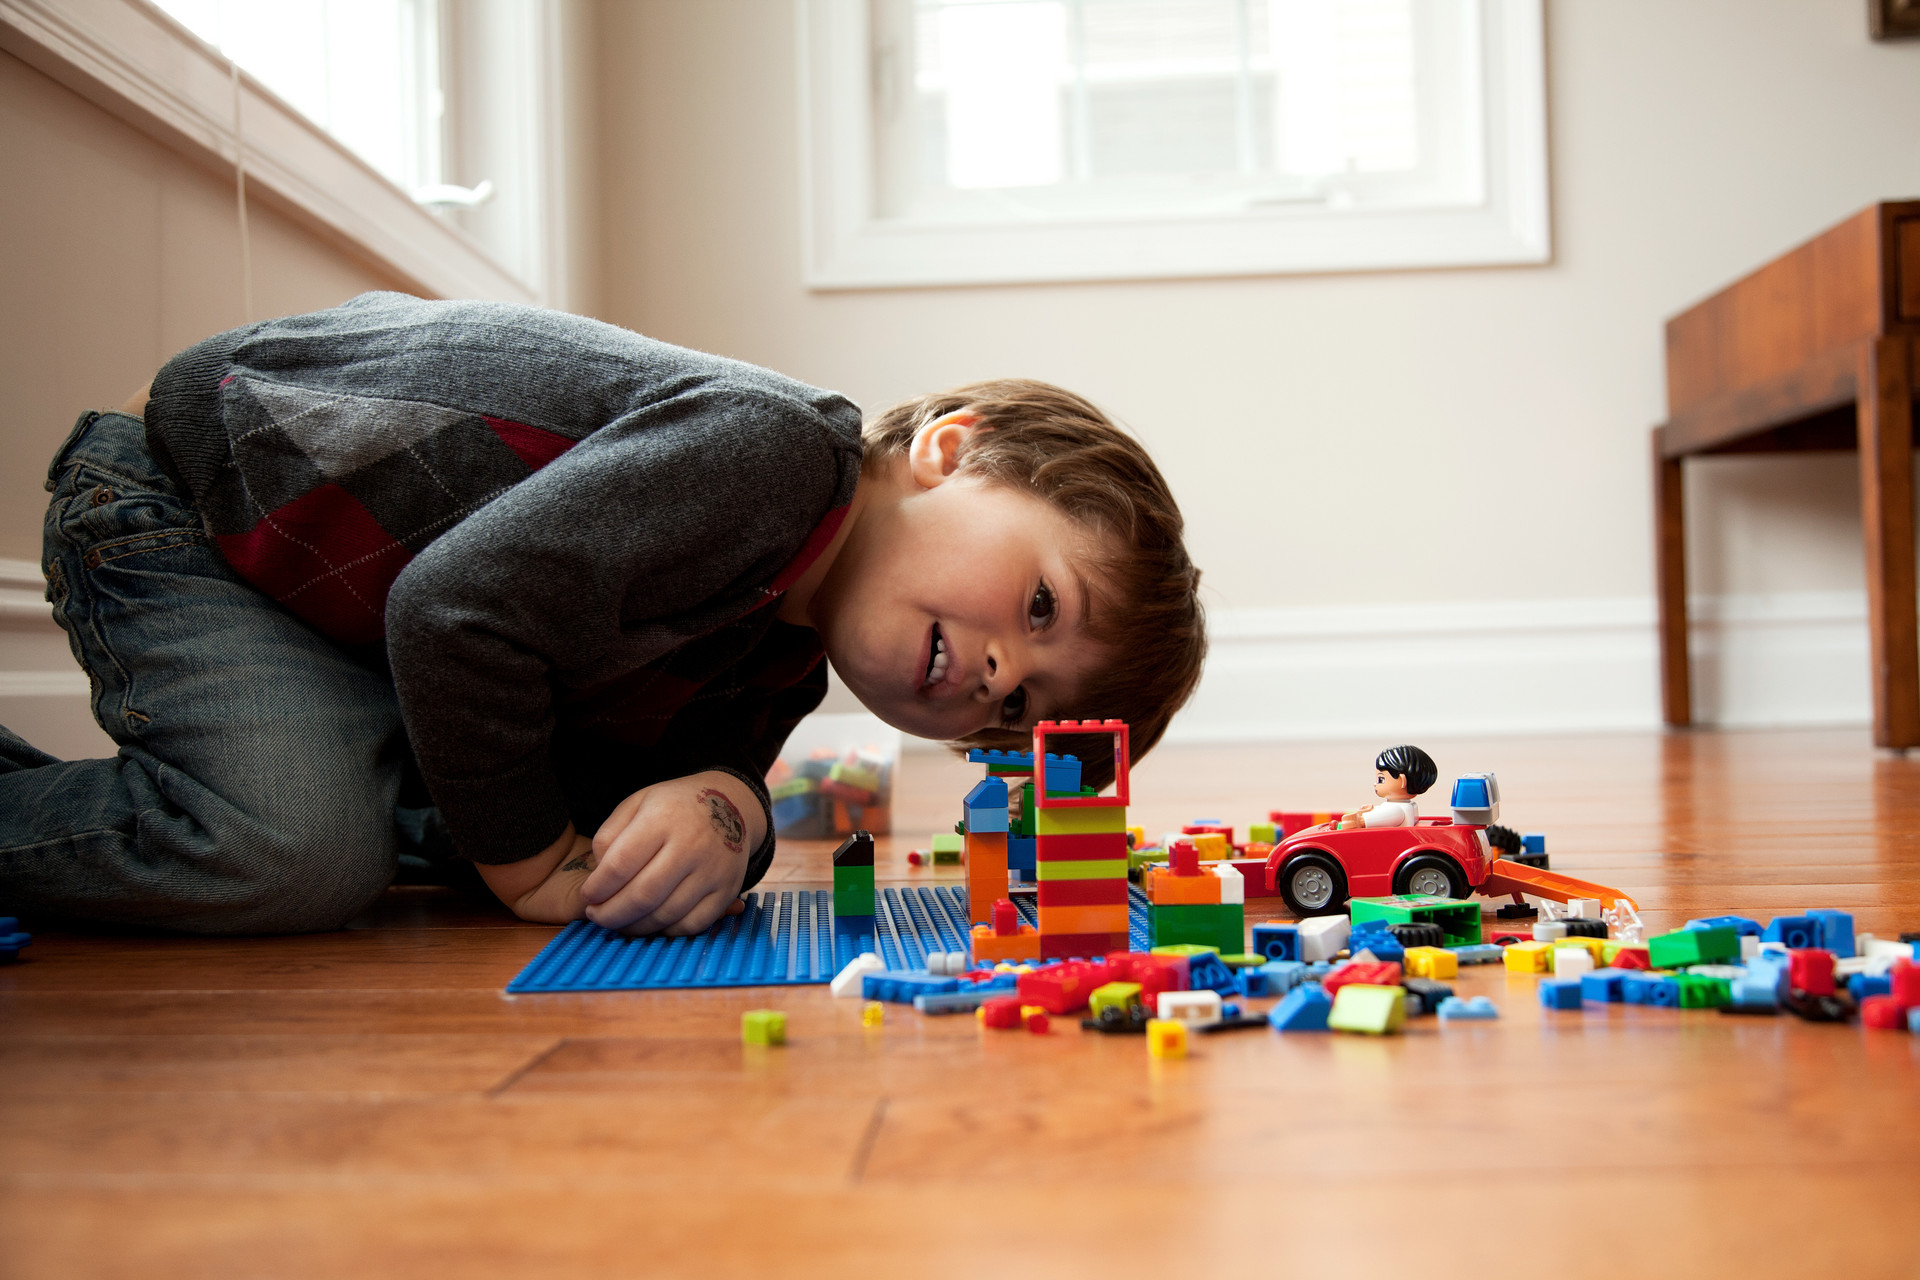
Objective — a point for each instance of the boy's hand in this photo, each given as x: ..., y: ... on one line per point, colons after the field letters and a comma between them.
x: 672, y: 857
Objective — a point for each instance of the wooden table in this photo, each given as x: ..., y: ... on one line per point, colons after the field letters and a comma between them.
x: 369, y: 1103
x: 1815, y: 350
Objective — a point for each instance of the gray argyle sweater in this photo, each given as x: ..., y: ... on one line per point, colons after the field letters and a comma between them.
x: 569, y: 537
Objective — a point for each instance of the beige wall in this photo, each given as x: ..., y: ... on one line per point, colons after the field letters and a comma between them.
x: 118, y: 252
x: 1463, y: 435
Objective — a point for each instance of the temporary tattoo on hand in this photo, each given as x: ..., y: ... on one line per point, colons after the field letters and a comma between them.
x: 583, y: 862
x: 726, y: 819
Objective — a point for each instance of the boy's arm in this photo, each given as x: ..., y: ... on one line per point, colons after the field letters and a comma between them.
x: 546, y: 887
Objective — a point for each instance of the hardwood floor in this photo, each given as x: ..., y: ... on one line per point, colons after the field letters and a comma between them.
x: 369, y: 1102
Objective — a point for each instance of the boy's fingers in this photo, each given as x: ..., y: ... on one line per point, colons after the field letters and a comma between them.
x: 690, y: 893
x: 631, y: 852
x: 704, y: 913
x: 633, y: 903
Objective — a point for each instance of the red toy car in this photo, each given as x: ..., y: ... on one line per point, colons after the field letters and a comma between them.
x: 1318, y: 869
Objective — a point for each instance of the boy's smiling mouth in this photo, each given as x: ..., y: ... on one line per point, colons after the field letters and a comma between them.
x: 938, y: 659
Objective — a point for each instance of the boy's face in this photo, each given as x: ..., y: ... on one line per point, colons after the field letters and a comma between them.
x: 1390, y: 786
x: 959, y: 605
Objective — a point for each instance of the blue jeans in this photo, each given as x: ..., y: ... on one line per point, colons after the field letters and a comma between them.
x: 258, y: 764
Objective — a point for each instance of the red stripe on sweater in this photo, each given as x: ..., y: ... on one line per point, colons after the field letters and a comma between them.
x: 535, y: 446
x: 816, y: 543
x: 326, y: 559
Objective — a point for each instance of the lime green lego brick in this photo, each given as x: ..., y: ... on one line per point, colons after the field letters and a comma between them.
x: 793, y: 787
x: 1082, y: 869
x: 1720, y: 945
x: 1104, y: 820
x: 1367, y: 1009
x: 763, y: 1026
x: 1459, y: 921
x: 1145, y: 857
x: 1113, y: 994
x: 1183, y: 949
x: 1243, y: 961
x: 1222, y: 926
x: 948, y: 842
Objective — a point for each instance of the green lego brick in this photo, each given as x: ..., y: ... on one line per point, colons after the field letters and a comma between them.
x: 1700, y: 992
x: 853, y: 900
x: 1222, y: 927
x: 1459, y: 921
x: 1695, y: 946
x: 1370, y: 1010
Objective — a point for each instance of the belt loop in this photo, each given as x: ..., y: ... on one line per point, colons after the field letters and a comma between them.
x: 87, y: 419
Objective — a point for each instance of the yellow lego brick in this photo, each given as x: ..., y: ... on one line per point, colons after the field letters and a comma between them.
x: 1166, y: 1038
x: 1212, y: 846
x: 1084, y: 870
x: 1081, y: 822
x: 1528, y: 957
x: 1432, y: 962
x: 1084, y: 919
x: 1596, y: 947
x: 873, y: 1014
x: 1165, y: 889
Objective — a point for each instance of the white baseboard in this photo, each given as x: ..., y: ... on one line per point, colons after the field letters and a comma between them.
x: 1514, y: 667
x: 1362, y: 671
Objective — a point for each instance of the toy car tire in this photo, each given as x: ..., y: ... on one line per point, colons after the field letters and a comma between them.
x: 1429, y: 873
x: 1313, y: 884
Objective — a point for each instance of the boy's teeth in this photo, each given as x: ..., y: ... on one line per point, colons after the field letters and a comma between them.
x: 938, y: 667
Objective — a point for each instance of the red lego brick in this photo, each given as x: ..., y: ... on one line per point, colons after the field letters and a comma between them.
x: 1377, y: 973
x: 1811, y: 971
x: 1006, y: 918
x: 1103, y: 846
x: 1122, y: 757
x: 1001, y: 1013
x: 1063, y: 988
x: 1059, y: 946
x: 1038, y: 1023
x: 1083, y: 893
x: 1632, y: 958
x: 1183, y: 859
x: 1906, y: 984
x: 1882, y: 1013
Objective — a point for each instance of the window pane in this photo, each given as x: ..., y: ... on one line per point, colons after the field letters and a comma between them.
x: 363, y: 70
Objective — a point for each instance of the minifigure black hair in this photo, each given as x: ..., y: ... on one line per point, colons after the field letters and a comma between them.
x: 1410, y: 763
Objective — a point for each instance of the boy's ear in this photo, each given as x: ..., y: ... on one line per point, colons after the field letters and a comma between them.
x: 934, y: 454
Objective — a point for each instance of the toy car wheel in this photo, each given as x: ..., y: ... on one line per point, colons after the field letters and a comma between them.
x: 1430, y: 874
x: 1313, y: 885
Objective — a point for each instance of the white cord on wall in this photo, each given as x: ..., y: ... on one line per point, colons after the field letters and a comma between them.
x: 240, y: 200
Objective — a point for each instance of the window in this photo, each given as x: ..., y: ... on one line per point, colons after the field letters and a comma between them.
x: 966, y: 141
x: 366, y: 71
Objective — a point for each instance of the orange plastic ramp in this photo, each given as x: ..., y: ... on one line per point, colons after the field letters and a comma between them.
x: 1505, y: 877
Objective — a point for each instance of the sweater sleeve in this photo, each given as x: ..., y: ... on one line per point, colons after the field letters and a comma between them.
x: 667, y: 522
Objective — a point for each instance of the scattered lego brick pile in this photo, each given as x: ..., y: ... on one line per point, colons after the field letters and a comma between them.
x: 831, y: 794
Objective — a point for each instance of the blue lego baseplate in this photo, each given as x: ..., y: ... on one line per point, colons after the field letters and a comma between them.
x: 783, y: 938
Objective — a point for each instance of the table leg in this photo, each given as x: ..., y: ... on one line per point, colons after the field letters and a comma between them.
x: 1886, y: 509
x: 1670, y: 579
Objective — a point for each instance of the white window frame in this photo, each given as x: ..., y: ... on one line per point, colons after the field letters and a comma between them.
x: 141, y: 66
x: 848, y: 246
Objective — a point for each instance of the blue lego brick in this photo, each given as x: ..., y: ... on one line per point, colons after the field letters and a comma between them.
x: 1277, y: 941
x: 1022, y: 855
x: 1207, y: 972
x: 900, y: 987
x: 1836, y: 930
x: 781, y: 939
x: 1862, y: 985
x: 1479, y: 953
x: 1478, y: 1009
x: 1560, y: 993
x: 969, y: 996
x: 1063, y: 772
x: 986, y: 806
x: 11, y: 939
x: 1602, y: 986
x: 1305, y: 1009
x: 1747, y: 995
x: 1650, y: 988
x: 1383, y: 945
x: 1797, y: 933
x: 1739, y: 924
x: 1274, y: 978
x: 1319, y: 969
x: 1533, y: 842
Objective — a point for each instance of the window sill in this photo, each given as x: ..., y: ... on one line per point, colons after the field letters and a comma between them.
x: 134, y: 62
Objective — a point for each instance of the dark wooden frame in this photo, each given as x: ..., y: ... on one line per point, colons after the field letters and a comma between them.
x: 1819, y: 349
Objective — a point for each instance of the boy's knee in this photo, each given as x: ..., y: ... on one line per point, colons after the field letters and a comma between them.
x: 307, y: 880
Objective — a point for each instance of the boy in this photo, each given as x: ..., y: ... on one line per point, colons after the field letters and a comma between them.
x: 568, y: 585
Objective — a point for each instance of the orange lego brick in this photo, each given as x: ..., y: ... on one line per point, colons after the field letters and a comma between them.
x: 1101, y: 919
x: 989, y: 947
x: 1164, y: 889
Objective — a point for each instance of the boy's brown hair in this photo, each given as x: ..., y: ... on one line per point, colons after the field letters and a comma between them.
x: 1146, y: 610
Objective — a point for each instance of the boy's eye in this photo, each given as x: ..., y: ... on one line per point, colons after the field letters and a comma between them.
x: 1013, y: 708
x: 1041, y: 609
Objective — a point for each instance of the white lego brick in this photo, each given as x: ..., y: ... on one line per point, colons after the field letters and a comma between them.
x: 846, y: 983
x: 1545, y: 930
x: 1321, y: 937
x: 1233, y: 885
x: 1571, y: 962
x: 1874, y: 948
x: 1583, y: 908
x: 1749, y: 946
x: 1192, y: 1007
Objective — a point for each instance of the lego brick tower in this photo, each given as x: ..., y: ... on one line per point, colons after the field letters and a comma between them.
x: 853, y: 888
x: 1081, y: 852
x: 986, y: 848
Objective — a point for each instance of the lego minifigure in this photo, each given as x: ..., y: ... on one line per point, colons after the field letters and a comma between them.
x: 1402, y: 773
